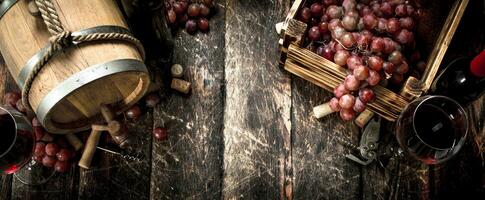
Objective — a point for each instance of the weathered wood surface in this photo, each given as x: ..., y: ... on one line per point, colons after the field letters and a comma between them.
x: 320, y: 169
x: 246, y: 130
x: 189, y: 164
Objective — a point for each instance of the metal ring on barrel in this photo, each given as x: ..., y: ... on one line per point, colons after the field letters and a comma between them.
x: 5, y: 5
x: 83, y: 78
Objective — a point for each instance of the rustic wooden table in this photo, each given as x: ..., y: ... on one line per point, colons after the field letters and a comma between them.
x: 246, y: 131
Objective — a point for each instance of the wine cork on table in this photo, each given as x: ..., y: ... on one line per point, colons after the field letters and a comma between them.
x: 322, y: 110
x: 364, y: 117
x: 177, y: 71
x: 180, y: 85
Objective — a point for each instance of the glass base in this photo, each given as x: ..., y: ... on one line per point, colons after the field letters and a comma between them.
x: 34, y: 173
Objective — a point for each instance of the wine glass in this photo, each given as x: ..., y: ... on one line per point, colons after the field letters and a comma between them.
x: 431, y: 130
x: 17, y: 147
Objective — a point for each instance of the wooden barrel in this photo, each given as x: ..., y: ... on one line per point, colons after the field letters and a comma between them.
x: 67, y: 93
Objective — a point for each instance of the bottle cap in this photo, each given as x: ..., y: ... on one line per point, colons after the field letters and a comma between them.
x: 477, y: 66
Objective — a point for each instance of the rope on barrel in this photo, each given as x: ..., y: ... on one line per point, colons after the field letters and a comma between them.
x: 63, y: 39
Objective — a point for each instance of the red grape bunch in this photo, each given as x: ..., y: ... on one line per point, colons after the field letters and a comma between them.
x: 190, y: 14
x: 369, y: 38
x: 52, y: 151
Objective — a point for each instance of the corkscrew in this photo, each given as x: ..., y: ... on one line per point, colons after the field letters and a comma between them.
x: 137, y: 157
x: 368, y: 144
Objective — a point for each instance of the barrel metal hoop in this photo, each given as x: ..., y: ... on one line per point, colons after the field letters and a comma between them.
x: 5, y: 6
x: 82, y: 78
x: 29, y: 66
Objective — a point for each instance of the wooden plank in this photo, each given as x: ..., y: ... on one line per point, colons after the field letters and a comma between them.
x: 320, y: 169
x: 188, y: 165
x: 257, y: 123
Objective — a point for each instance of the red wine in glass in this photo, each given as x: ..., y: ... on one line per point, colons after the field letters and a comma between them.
x: 432, y: 129
x: 16, y: 145
x: 16, y: 149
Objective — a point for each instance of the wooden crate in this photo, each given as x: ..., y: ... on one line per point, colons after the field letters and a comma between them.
x: 314, y: 68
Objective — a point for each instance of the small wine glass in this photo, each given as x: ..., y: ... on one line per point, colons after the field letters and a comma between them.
x: 431, y: 130
x: 17, y: 147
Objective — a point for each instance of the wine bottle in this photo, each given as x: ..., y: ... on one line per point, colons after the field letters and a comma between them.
x: 462, y: 80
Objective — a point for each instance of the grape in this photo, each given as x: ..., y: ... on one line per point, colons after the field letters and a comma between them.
x: 361, y: 72
x: 52, y: 149
x: 314, y: 33
x: 401, y: 10
x: 178, y: 8
x: 346, y: 101
x: 402, y: 68
x: 359, y: 106
x: 360, y: 25
x: 333, y: 24
x: 389, y: 45
x: 349, y: 5
x: 134, y: 112
x: 353, y: 13
x: 421, y: 66
x: 377, y: 45
x: 183, y: 19
x: 363, y: 41
x: 366, y: 95
x: 395, y: 57
x: 386, y: 8
x: 404, y: 37
x: 203, y: 24
x: 37, y: 158
x: 160, y: 133
x: 305, y: 15
x: 340, y: 90
x: 347, y: 114
x: 172, y: 17
x: 191, y: 26
x: 328, y: 52
x: 374, y: 78
x: 376, y: 9
x: 338, y: 32
x: 152, y: 100
x: 324, y: 18
x: 335, y: 12
x: 393, y: 26
x: 341, y: 57
x: 316, y: 10
x: 365, y: 10
x: 35, y: 122
x: 204, y: 10
x: 349, y: 22
x: 329, y: 2
x: 410, y: 10
x: 347, y: 40
x: 353, y: 61
x: 323, y: 27
x: 62, y: 166
x: 406, y: 23
x: 381, y: 24
x: 351, y: 83
x: 11, y: 98
x: 39, y: 133
x: 64, y: 155
x: 375, y: 63
x: 334, y: 104
x: 397, y: 78
x: 49, y: 161
x: 193, y: 10
x: 388, y: 67
x: 370, y: 21
x: 39, y: 149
